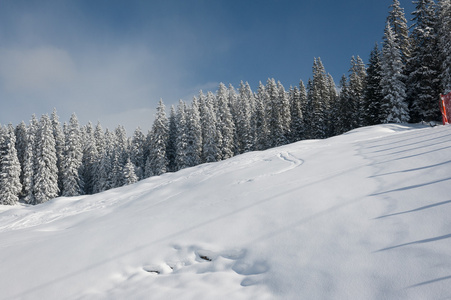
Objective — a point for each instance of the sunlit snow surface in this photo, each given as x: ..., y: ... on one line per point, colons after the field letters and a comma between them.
x: 365, y: 215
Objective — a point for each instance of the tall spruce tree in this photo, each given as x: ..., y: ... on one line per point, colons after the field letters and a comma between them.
x: 21, y: 146
x: 297, y: 120
x: 398, y: 21
x: 10, y: 186
x: 224, y: 123
x: 30, y: 158
x: 357, y: 81
x: 72, y: 181
x: 373, y: 92
x: 394, y: 107
x: 194, y: 134
x: 59, y: 146
x: 46, y: 174
x: 318, y: 98
x: 211, y: 136
x: 423, y: 82
x: 444, y: 42
x: 157, y: 162
x: 344, y: 109
x: 261, y: 129
x: 89, y: 159
x: 243, y: 113
x: 181, y: 140
x: 137, y: 152
x: 171, y: 148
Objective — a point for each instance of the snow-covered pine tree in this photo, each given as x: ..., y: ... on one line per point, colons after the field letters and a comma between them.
x: 172, y: 137
x: 193, y: 134
x: 129, y: 173
x: 104, y: 170
x: 276, y: 131
x: 89, y: 159
x: 181, y: 140
x: 261, y: 130
x: 357, y: 80
x: 30, y: 162
x: 333, y: 102
x: 423, y: 84
x: 99, y: 137
x: 444, y: 42
x: 211, y: 137
x: 224, y: 123
x: 21, y: 146
x: 344, y: 109
x: 243, y: 111
x: 137, y: 152
x: 233, y: 105
x: 72, y: 183
x: 398, y: 21
x: 373, y: 92
x: 394, y: 107
x: 157, y: 162
x: 46, y: 174
x: 318, y: 95
x: 283, y: 105
x: 297, y: 120
x: 10, y: 186
x: 59, y: 146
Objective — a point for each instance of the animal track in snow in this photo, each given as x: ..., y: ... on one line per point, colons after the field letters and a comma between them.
x: 201, y: 261
x: 284, y: 156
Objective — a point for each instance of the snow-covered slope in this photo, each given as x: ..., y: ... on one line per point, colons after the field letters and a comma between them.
x: 365, y: 215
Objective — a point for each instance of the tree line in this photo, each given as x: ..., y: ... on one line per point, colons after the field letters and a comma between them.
x: 401, y: 83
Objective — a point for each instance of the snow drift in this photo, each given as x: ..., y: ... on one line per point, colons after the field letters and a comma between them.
x: 364, y: 215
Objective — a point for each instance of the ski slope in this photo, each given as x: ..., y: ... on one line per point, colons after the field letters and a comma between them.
x: 364, y: 215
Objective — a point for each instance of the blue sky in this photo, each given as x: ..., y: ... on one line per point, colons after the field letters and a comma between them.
x: 111, y: 61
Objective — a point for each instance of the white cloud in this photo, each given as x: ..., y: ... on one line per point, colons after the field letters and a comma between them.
x: 35, y: 70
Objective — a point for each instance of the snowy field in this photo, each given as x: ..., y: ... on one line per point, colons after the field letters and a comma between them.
x: 365, y: 215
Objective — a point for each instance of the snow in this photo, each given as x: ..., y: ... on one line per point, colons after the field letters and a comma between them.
x: 364, y: 215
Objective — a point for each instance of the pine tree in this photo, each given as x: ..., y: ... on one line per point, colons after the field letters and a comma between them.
x: 444, y: 42
x: 171, y: 145
x: 224, y: 123
x: 30, y: 162
x: 283, y: 105
x: 105, y: 169
x: 10, y: 186
x: 400, y: 28
x: 129, y: 173
x: 99, y: 137
x: 261, y: 130
x: 423, y: 67
x: 274, y: 115
x: 59, y: 146
x: 46, y: 174
x: 157, y: 162
x: 345, y: 108
x: 356, y: 90
x: 243, y: 111
x: 394, y: 107
x: 137, y: 152
x: 318, y: 96
x: 297, y: 120
x: 72, y: 183
x: 194, y: 135
x: 333, y: 103
x: 21, y: 146
x: 89, y: 159
x: 211, y: 137
x: 373, y: 92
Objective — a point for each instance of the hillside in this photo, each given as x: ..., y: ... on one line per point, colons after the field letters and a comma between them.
x: 364, y: 215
